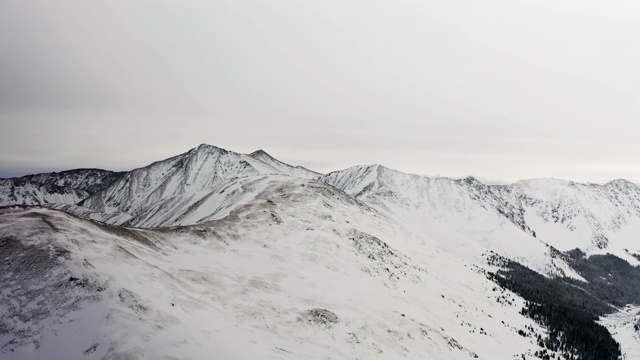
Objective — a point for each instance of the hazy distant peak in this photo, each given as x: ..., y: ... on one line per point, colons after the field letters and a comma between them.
x: 65, y: 187
x: 621, y: 183
x: 541, y: 182
x: 371, y: 172
x: 367, y: 168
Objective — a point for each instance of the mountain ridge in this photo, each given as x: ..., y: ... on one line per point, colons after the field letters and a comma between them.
x: 67, y: 187
x: 618, y: 201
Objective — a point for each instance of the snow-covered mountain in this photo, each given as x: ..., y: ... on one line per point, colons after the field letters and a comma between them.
x: 566, y: 215
x: 65, y: 187
x: 216, y: 254
x: 448, y: 212
x: 200, y: 169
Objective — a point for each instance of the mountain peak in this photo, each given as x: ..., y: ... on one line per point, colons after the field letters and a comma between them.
x: 470, y: 180
x: 209, y: 148
x: 621, y: 183
x: 261, y: 154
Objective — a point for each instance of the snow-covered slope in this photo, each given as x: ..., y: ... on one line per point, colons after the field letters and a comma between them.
x: 193, y: 208
x: 624, y: 325
x: 200, y: 169
x: 449, y: 213
x: 565, y: 215
x: 66, y: 187
x: 282, y: 168
x: 588, y: 216
x: 302, y: 271
x: 115, y: 218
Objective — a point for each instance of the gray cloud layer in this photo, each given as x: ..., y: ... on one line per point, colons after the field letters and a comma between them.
x: 496, y: 89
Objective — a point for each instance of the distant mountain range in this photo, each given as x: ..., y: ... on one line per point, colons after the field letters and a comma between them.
x: 65, y: 187
x: 217, y: 254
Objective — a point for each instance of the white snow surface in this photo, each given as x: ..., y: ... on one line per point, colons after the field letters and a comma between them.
x: 621, y: 325
x: 302, y: 271
x: 213, y: 204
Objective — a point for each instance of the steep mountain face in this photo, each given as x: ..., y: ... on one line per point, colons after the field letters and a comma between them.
x: 65, y: 187
x: 200, y: 169
x: 194, y: 208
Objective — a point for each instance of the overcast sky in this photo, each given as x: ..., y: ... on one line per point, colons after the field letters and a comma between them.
x: 501, y: 90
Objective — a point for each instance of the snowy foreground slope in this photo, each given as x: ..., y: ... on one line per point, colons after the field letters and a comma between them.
x: 302, y: 271
x: 216, y: 254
